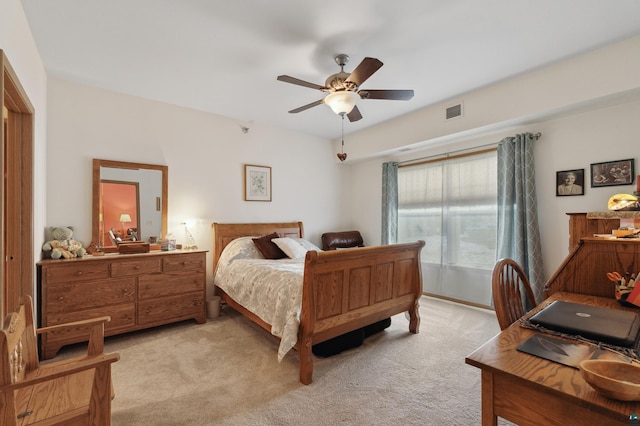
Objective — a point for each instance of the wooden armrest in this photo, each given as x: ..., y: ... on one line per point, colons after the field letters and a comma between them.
x: 63, y: 368
x: 95, y: 327
x: 75, y: 324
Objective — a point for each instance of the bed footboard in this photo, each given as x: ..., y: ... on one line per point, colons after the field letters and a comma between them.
x: 349, y: 289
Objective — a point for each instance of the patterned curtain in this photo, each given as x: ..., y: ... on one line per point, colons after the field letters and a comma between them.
x: 389, y: 203
x: 518, y: 231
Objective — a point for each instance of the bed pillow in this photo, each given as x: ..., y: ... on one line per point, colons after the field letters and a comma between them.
x: 241, y: 248
x: 307, y: 244
x: 268, y: 249
x: 290, y: 247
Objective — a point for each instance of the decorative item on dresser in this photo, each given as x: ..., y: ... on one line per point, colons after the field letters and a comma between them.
x: 137, y: 291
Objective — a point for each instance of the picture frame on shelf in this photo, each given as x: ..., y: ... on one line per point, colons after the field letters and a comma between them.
x: 257, y: 183
x: 570, y: 182
x: 612, y: 173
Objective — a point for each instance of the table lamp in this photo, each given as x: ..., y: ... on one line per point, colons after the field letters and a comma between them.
x: 124, y: 218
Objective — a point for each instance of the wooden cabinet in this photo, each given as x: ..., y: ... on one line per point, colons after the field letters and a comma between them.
x: 137, y: 291
x: 581, y: 226
x: 584, y: 271
x: 586, y: 225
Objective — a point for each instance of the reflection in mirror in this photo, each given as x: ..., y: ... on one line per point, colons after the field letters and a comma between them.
x: 129, y: 202
x: 119, y: 210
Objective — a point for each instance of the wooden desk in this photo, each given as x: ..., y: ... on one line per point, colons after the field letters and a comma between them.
x: 529, y: 390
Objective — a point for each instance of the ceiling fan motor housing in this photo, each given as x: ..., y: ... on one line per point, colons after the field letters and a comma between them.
x: 337, y: 82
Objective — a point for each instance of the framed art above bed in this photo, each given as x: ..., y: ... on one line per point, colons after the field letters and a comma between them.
x: 257, y: 183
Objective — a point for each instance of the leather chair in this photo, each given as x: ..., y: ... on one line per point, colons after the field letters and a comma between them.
x: 343, y: 239
x: 509, y: 284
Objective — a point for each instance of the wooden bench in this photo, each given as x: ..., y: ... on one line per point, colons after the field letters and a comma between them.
x: 73, y: 391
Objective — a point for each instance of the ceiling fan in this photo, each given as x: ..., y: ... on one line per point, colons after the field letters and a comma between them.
x: 342, y: 88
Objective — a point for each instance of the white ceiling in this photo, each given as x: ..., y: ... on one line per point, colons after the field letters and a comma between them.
x: 224, y: 56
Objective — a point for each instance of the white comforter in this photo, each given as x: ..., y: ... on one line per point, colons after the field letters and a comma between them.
x: 271, y: 289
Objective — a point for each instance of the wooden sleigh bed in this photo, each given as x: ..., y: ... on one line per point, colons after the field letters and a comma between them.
x: 342, y: 290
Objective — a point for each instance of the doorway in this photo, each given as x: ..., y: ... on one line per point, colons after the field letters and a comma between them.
x: 16, y: 191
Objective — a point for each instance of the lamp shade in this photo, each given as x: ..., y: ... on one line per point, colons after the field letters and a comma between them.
x: 125, y: 217
x: 341, y: 102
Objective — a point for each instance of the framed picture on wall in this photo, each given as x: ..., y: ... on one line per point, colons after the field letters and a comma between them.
x: 257, y: 183
x: 612, y: 173
x: 570, y: 182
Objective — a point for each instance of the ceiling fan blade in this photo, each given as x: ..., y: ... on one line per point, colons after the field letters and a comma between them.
x: 396, y: 95
x: 293, y: 80
x: 354, y: 115
x: 307, y: 106
x: 364, y: 70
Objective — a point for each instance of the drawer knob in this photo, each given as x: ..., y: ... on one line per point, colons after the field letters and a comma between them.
x: 61, y: 298
x: 79, y: 273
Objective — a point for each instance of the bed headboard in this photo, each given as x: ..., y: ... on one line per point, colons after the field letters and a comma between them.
x: 224, y: 233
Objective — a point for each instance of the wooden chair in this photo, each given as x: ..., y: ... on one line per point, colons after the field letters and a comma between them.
x: 509, y: 283
x: 74, y: 391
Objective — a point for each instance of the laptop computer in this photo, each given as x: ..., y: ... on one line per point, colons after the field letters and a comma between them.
x: 613, y: 326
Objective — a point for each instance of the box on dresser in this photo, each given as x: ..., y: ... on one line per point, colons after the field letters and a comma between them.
x: 136, y: 290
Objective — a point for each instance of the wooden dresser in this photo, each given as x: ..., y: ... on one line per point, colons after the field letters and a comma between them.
x: 137, y: 291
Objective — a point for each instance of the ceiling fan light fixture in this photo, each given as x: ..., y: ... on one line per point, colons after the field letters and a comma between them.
x: 342, y: 102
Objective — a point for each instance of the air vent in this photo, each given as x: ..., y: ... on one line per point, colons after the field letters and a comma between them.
x: 454, y: 111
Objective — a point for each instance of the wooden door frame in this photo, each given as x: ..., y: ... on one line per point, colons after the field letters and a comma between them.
x: 16, y: 193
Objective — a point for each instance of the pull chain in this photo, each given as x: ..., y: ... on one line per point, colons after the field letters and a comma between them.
x: 342, y: 155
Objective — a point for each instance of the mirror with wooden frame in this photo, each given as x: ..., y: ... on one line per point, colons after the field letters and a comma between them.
x: 129, y: 203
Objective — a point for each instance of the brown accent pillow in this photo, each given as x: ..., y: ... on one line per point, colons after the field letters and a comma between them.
x: 268, y: 248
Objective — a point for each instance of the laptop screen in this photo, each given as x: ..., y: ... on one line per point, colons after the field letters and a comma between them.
x: 613, y: 326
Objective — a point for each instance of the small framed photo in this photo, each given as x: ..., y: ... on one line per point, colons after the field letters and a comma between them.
x: 257, y: 183
x: 612, y: 173
x: 570, y: 182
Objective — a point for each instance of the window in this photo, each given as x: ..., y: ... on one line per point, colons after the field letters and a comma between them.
x: 452, y: 205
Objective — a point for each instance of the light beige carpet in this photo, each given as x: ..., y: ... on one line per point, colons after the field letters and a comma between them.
x: 225, y: 372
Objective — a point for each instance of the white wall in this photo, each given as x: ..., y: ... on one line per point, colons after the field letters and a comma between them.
x: 205, y: 154
x: 19, y: 47
x: 594, y: 78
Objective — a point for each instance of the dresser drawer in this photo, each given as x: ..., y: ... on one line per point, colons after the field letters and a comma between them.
x: 76, y: 271
x: 181, y: 262
x: 81, y: 296
x: 170, y: 284
x: 122, y: 317
x: 170, y: 309
x: 136, y: 267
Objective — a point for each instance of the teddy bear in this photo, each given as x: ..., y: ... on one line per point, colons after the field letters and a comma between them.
x: 62, y: 245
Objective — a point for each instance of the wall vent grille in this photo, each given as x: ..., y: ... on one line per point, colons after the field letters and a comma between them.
x: 454, y: 111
